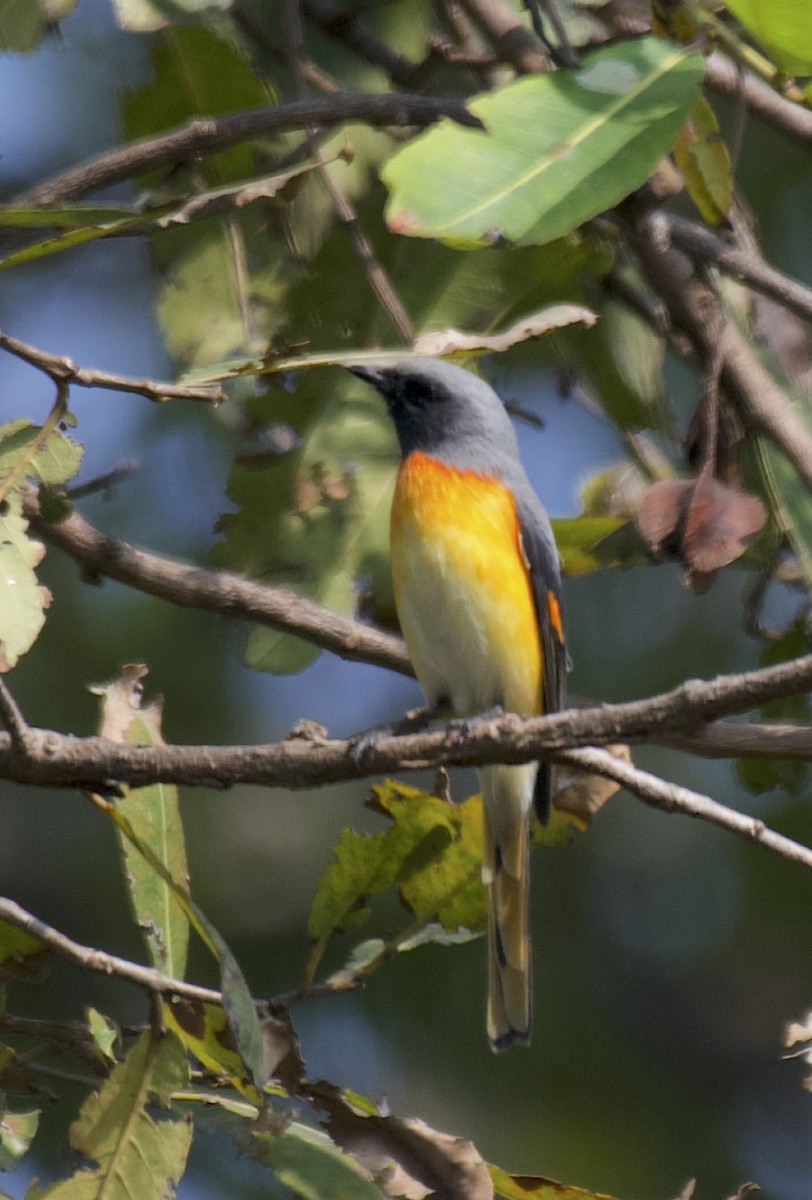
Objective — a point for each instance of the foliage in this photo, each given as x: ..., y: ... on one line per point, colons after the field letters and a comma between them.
x: 279, y: 257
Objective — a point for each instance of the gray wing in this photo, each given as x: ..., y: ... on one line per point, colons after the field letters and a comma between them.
x: 545, y: 576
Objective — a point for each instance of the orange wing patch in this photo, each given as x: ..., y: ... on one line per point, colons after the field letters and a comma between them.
x: 554, y: 613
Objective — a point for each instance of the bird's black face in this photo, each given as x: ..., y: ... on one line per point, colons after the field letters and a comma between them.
x: 419, y: 407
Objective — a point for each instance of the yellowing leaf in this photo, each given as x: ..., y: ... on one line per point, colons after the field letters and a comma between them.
x: 534, y: 1187
x: 153, y: 813
x: 703, y: 158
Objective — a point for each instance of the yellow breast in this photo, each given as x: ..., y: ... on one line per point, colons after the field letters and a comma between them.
x: 462, y: 589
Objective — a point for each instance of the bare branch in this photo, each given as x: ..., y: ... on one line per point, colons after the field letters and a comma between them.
x: 704, y: 246
x: 219, y: 592
x: 512, y: 41
x: 64, y: 371
x: 52, y: 759
x: 671, y: 797
x: 97, y: 960
x: 206, y: 134
x: 11, y: 716
x: 697, y: 310
x: 792, y: 119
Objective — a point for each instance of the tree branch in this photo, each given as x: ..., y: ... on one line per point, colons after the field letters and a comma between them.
x: 703, y: 247
x: 672, y: 797
x: 219, y: 592
x: 206, y: 134
x: 63, y: 370
x: 54, y: 760
x: 760, y: 98
x: 697, y: 310
x: 97, y: 960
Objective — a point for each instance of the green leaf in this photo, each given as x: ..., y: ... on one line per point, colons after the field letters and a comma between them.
x: 446, y: 885
x: 22, y: 956
x: 784, y: 28
x: 366, y: 864
x: 56, y: 461
x: 237, y: 1000
x: 308, y: 1162
x: 24, y: 22
x: 136, y: 1157
x: 66, y: 216
x: 205, y: 1031
x: 22, y: 600
x: 17, y: 1131
x: 791, y: 499
x: 105, y: 1033
x: 223, y: 285
x: 153, y: 814
x: 703, y: 158
x: 579, y: 541
x: 559, y: 149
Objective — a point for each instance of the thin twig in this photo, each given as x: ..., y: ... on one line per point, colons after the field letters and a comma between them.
x: 220, y: 592
x: 512, y: 41
x: 90, y: 959
x: 377, y: 277
x: 87, y: 958
x: 697, y: 310
x: 204, y: 135
x: 792, y: 119
x: 64, y: 371
x: 672, y: 797
x: 703, y: 247
x: 12, y: 717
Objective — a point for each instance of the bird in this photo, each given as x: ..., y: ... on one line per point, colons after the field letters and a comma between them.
x: 477, y: 586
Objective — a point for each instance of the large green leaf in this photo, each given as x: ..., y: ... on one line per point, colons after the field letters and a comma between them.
x: 558, y: 149
x: 136, y: 1157
x: 784, y: 28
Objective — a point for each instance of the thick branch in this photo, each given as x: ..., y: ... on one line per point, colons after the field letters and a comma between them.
x: 206, y: 134
x: 671, y: 797
x: 54, y: 759
x: 219, y: 591
x: 64, y: 370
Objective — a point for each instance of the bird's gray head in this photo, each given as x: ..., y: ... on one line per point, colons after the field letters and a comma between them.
x: 443, y: 410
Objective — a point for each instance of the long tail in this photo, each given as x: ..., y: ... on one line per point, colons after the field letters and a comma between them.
x: 507, y: 793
